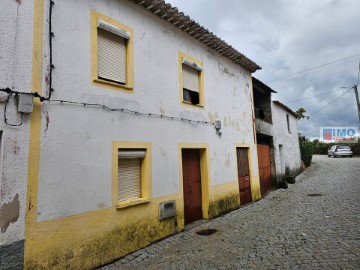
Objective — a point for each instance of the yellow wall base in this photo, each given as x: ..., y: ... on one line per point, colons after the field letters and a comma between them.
x: 95, y: 238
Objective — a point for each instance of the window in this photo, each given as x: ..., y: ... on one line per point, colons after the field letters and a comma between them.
x: 191, y: 80
x: 112, y: 52
x: 288, y: 122
x: 131, y: 173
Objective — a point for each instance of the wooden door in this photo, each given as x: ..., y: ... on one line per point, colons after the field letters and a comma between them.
x: 191, y: 185
x: 243, y: 175
x: 264, y: 167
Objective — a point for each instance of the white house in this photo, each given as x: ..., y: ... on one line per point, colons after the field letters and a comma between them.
x: 286, y: 141
x: 125, y: 120
x: 278, y: 148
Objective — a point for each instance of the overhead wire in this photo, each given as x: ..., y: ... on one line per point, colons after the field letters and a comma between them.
x: 314, y: 96
x: 331, y: 102
x: 105, y: 107
x: 312, y: 68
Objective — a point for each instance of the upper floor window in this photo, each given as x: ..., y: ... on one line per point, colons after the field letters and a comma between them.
x: 288, y: 122
x: 191, y: 80
x: 112, y: 52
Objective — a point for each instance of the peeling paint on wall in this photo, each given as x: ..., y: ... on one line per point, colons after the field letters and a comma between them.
x: 225, y: 70
x: 9, y: 213
x: 47, y: 120
x: 213, y: 117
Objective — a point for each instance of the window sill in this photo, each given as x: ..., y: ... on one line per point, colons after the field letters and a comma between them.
x: 187, y: 103
x: 129, y: 203
x: 113, y: 85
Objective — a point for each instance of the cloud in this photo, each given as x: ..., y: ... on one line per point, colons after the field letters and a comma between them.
x: 285, y: 37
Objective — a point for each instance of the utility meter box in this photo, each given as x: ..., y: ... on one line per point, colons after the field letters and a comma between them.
x: 25, y: 103
x: 167, y: 209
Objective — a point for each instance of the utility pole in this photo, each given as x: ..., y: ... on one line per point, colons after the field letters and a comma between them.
x: 357, y: 100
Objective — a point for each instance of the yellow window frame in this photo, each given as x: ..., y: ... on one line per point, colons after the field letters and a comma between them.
x: 94, y: 17
x: 146, y: 181
x: 181, y: 57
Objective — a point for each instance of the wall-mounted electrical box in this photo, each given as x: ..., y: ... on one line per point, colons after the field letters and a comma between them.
x: 217, y: 124
x: 167, y: 209
x: 25, y: 103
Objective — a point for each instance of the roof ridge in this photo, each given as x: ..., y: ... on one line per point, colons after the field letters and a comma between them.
x: 177, y: 18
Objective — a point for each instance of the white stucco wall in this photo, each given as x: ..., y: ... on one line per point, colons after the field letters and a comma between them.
x: 16, y: 20
x: 76, y: 141
x: 288, y: 140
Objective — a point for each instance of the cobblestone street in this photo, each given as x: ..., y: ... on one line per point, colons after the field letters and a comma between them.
x: 314, y: 224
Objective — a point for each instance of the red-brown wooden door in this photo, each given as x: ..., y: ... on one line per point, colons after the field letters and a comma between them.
x: 264, y: 167
x: 191, y: 185
x: 243, y: 175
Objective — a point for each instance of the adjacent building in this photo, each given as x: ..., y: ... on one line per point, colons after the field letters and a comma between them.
x: 124, y: 121
x: 277, y: 138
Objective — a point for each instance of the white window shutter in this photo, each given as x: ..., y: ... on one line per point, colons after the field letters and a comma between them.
x: 129, y: 183
x: 111, y: 56
x: 190, y: 78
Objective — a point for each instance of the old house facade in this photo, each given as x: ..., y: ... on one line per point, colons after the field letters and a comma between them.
x: 139, y: 122
x: 277, y: 138
x: 286, y: 141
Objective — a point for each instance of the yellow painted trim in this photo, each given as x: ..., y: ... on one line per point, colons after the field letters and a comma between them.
x: 204, y: 170
x: 131, y: 203
x: 35, y: 116
x: 94, y: 16
x: 201, y: 104
x: 35, y: 124
x: 219, y: 190
x: 85, y: 235
x: 146, y: 164
x: 255, y: 187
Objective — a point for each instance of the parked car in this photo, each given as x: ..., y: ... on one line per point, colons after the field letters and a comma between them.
x: 340, y: 151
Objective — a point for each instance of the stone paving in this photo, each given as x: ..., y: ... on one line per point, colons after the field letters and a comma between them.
x: 287, y: 229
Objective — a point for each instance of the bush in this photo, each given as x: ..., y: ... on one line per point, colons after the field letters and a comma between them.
x: 306, y: 151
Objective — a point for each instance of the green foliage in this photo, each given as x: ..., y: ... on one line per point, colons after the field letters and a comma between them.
x: 306, y: 151
x: 301, y: 114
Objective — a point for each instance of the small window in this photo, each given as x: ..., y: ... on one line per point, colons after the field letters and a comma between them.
x: 288, y: 122
x: 129, y: 174
x: 112, y: 52
x: 191, y: 79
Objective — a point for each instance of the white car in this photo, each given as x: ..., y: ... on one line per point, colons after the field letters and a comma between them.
x: 340, y: 151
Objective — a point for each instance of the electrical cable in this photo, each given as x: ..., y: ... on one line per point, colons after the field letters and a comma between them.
x: 128, y: 111
x: 51, y: 35
x: 357, y: 84
x: 327, y: 104
x: 5, y: 118
x: 315, y: 96
x: 304, y: 81
x: 312, y: 68
x: 105, y: 107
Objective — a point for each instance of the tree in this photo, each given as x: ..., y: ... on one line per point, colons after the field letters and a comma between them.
x: 300, y: 114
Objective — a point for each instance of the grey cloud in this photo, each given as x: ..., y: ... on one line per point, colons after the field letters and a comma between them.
x: 287, y: 36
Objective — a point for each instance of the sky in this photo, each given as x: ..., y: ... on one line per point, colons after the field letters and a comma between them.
x: 306, y: 48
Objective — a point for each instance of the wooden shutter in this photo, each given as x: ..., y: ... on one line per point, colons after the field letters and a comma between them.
x: 190, y: 78
x: 129, y: 183
x: 111, y: 56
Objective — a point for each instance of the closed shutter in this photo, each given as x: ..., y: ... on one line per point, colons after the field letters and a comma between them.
x: 190, y: 78
x: 129, y: 183
x: 111, y: 56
